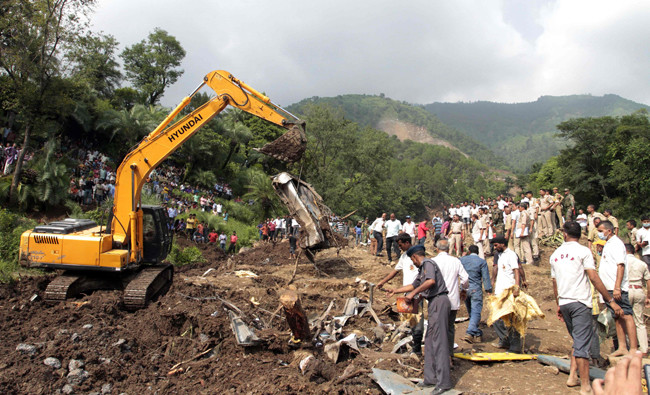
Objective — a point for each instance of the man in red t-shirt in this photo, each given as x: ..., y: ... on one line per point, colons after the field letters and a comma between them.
x: 213, y: 236
x: 233, y: 242
x: 422, y: 232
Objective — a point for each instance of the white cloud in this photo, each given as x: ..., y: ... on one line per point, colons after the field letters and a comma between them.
x: 418, y: 51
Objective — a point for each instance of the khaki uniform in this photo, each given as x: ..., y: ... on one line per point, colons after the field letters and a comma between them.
x: 485, y: 221
x: 558, y: 198
x: 522, y: 243
x: 546, y: 224
x: 533, y: 219
x: 455, y: 241
x: 638, y: 274
x: 590, y: 220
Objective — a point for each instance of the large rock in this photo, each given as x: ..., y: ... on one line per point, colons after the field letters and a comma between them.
x: 52, y: 362
x: 25, y: 348
x: 107, y: 388
x: 75, y: 364
x: 77, y: 376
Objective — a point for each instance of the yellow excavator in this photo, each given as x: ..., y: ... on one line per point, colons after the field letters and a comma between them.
x: 127, y: 254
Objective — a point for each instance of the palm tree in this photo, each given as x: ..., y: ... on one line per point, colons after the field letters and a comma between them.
x: 261, y: 191
x: 131, y: 125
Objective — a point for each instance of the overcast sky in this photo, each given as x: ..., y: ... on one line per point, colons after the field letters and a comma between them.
x: 417, y: 51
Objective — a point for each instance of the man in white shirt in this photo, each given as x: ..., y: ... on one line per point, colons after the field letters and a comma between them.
x: 454, y: 274
x: 376, y: 228
x: 614, y: 275
x: 572, y: 269
x: 643, y: 240
x: 409, y: 228
x: 409, y: 273
x: 219, y: 208
x: 465, y: 211
x: 505, y: 274
x: 393, y: 227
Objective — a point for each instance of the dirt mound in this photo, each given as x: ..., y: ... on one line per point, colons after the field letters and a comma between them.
x: 183, y: 342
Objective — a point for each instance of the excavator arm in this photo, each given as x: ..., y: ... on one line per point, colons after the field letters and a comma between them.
x: 126, y: 225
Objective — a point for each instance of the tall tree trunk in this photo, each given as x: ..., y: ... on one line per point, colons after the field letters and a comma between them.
x: 232, y: 150
x: 13, y: 192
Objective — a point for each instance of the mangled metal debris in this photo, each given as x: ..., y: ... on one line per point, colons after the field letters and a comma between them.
x: 244, y: 335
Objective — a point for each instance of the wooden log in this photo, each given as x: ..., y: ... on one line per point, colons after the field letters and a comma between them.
x: 295, y: 315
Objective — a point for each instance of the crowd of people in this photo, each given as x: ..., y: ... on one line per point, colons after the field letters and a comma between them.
x: 610, y: 273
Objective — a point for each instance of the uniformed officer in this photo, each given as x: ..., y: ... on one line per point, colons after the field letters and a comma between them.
x: 496, y: 216
x: 431, y: 285
x: 569, y: 204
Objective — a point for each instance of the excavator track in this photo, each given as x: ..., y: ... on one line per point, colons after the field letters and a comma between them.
x: 71, y: 284
x: 147, y: 284
x: 62, y: 288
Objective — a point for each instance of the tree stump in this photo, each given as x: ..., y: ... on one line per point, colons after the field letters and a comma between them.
x: 295, y: 315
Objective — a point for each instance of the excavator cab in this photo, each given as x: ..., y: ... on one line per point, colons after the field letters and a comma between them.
x: 157, y: 236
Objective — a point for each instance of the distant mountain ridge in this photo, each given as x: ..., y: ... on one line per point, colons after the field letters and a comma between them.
x: 406, y: 122
x: 523, y: 133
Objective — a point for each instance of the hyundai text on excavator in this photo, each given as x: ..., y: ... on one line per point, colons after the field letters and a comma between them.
x: 127, y: 254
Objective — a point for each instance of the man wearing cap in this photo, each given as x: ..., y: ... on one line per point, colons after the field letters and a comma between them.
x: 409, y: 273
x: 431, y: 285
x: 557, y: 206
x: 505, y: 275
x: 456, y: 236
x: 408, y: 227
x: 547, y: 225
x: 569, y: 203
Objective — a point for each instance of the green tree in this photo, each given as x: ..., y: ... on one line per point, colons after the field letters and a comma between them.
x: 33, y: 35
x: 153, y: 64
x: 93, y: 59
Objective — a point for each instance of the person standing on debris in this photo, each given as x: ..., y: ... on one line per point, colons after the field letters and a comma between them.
x: 569, y: 203
x: 456, y: 236
x: 393, y: 228
x: 409, y: 227
x: 454, y: 274
x: 431, y: 285
x: 409, y: 273
x: 613, y: 272
x: 377, y: 228
x: 222, y: 241
x: 505, y: 274
x: 638, y: 272
x: 572, y: 269
x: 479, y: 278
x: 422, y: 232
x: 292, y: 245
x: 233, y: 243
x: 643, y: 240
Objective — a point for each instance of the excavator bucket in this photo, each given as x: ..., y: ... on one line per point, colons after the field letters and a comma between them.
x: 290, y: 146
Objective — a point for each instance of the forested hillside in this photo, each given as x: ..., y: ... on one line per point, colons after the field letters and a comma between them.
x: 369, y: 110
x: 522, y: 132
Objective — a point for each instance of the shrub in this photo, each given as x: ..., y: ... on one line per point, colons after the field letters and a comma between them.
x: 186, y: 256
x: 11, y: 227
